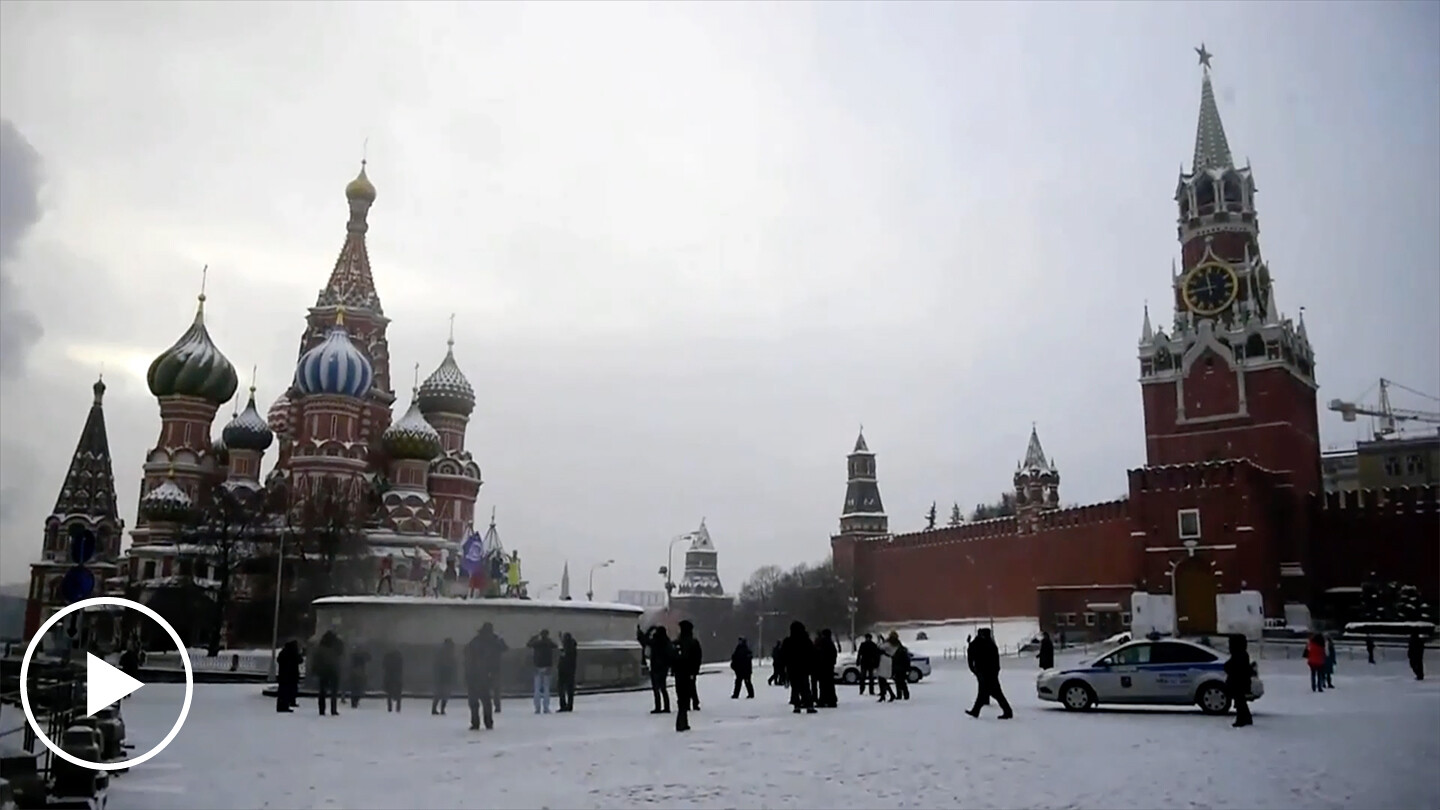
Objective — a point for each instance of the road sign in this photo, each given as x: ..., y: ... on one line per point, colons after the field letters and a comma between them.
x: 78, y: 583
x: 82, y: 544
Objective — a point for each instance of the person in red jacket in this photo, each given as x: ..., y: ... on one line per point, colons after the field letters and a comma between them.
x: 1315, y: 657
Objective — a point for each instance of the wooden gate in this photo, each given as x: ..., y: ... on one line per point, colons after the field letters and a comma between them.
x: 1195, y: 590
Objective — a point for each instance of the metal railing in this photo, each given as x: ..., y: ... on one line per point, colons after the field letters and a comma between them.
x: 57, y: 699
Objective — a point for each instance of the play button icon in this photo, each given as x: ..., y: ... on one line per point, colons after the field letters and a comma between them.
x: 105, y: 685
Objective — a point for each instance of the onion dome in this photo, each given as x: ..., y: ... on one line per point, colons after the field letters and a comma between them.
x: 411, y: 436
x: 167, y: 502
x: 193, y: 367
x: 247, y: 431
x: 335, y: 366
x: 278, y: 417
x: 446, y: 390
x: 360, y: 189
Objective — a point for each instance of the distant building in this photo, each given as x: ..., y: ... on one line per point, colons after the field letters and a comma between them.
x: 1340, y: 470
x: 644, y: 599
x: 1399, y: 461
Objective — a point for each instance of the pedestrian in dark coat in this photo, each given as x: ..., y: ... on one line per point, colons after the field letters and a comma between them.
x: 542, y: 651
x: 482, y: 666
x: 1047, y: 651
x: 1238, y: 671
x: 358, y: 681
x: 1370, y: 648
x: 1329, y: 663
x: 392, y: 676
x: 565, y: 671
x: 799, y: 654
x: 660, y: 655
x: 900, y: 670
x: 825, y: 657
x: 868, y: 658
x: 328, y: 655
x: 742, y: 663
x: 984, y: 658
x: 1415, y: 651
x: 777, y: 666
x: 287, y: 676
x: 444, y: 676
x: 685, y: 665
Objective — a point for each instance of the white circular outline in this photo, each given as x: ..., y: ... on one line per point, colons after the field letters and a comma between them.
x: 25, y: 683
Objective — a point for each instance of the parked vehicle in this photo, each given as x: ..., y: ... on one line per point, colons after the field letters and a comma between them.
x: 1171, y: 672
x: 847, y: 669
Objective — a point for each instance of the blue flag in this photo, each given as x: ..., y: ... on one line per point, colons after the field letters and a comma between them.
x: 472, y: 554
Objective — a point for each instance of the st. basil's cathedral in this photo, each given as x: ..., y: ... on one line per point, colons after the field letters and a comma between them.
x: 332, y: 430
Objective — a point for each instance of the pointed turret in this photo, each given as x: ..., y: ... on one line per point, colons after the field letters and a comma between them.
x: 1147, y: 332
x: 87, y: 496
x: 447, y: 400
x: 702, y: 575
x: 864, y: 513
x: 1212, y: 150
x: 1037, y: 482
x: 565, y: 582
x: 351, y: 283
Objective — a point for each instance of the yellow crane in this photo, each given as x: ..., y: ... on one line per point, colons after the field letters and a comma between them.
x: 1388, y: 417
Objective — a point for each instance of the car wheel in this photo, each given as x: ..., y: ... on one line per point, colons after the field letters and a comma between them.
x: 1212, y: 699
x: 850, y: 676
x: 1077, y: 696
x: 914, y: 675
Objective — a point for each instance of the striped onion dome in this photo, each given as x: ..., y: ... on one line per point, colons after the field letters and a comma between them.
x: 411, y: 436
x: 167, y: 502
x: 446, y: 390
x: 335, y: 366
x: 278, y: 417
x: 193, y: 367
x: 248, y: 431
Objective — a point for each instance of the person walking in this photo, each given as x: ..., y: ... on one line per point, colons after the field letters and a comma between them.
x: 661, y: 653
x: 392, y: 677
x: 444, y: 676
x: 565, y: 672
x: 482, y: 665
x: 900, y: 670
x: 686, y: 667
x: 1047, y: 651
x: 867, y: 656
x: 287, y: 676
x: 799, y: 655
x: 777, y: 666
x: 826, y: 654
x: 742, y: 664
x: 984, y: 658
x: 1370, y: 648
x: 542, y: 649
x: 1329, y: 663
x: 358, y: 681
x: 328, y: 655
x: 1238, y: 672
x: 1315, y: 659
x: 1415, y: 652
x: 882, y: 671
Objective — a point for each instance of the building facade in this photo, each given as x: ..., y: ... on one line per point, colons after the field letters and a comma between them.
x: 1230, y: 508
x: 412, y: 481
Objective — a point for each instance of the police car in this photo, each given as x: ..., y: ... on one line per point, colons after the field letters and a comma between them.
x: 1168, y: 671
x: 847, y: 669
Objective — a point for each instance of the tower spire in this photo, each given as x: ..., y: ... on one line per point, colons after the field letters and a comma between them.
x: 89, y: 487
x: 1147, y: 333
x: 1212, y: 150
x: 200, y: 306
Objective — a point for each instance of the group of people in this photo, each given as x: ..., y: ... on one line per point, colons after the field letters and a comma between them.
x: 679, y: 658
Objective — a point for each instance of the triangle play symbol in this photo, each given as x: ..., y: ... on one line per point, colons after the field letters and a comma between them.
x: 105, y: 684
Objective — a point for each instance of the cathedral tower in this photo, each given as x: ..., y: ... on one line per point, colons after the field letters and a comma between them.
x: 447, y: 399
x: 1037, y: 483
x: 1232, y: 377
x: 329, y: 400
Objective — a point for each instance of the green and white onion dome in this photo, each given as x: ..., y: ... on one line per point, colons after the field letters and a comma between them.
x: 446, y: 390
x: 193, y: 367
x: 411, y: 437
x: 248, y: 431
x: 166, y: 502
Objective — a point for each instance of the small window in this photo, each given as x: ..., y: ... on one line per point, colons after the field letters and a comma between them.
x: 1125, y: 619
x: 1414, y: 465
x: 1392, y: 466
x: 1189, y: 524
x: 1170, y: 652
x: 149, y: 569
x: 1130, y: 656
x: 1089, y: 619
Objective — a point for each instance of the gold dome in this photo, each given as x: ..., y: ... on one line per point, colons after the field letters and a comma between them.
x: 360, y: 188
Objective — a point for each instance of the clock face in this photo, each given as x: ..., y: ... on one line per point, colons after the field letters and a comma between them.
x: 1210, y: 288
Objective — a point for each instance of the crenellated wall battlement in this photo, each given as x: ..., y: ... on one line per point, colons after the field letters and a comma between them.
x: 1424, y: 499
x: 1218, y: 474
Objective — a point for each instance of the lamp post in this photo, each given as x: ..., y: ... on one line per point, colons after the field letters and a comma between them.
x: 760, y: 632
x: 275, y: 622
x: 590, y: 594
x: 669, y: 569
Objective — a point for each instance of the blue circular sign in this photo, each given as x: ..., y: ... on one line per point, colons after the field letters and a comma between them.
x: 82, y: 544
x: 78, y: 583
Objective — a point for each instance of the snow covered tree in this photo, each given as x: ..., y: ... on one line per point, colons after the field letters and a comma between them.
x: 930, y: 517
x: 1005, y: 507
x: 955, y: 517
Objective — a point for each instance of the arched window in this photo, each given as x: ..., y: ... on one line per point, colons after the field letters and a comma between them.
x: 1255, y: 347
x: 1205, y: 196
x: 1231, y: 188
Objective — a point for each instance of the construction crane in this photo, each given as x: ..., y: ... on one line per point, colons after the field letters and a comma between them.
x: 1389, y: 416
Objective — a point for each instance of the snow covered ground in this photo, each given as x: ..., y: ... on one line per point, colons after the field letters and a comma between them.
x: 1373, y: 742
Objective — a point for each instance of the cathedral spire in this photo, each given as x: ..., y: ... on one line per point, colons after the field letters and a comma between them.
x: 351, y: 283
x: 1147, y: 332
x: 1212, y: 150
x: 1035, y: 454
x: 864, y: 513
x: 89, y: 487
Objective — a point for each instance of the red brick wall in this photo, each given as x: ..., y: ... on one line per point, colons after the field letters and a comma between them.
x: 1395, y: 534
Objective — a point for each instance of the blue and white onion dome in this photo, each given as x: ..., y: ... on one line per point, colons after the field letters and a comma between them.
x: 411, y: 437
x: 166, y: 502
x: 248, y: 431
x: 194, y: 366
x: 335, y: 367
x: 446, y: 390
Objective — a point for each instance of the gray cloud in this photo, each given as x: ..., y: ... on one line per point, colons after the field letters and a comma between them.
x: 20, y: 327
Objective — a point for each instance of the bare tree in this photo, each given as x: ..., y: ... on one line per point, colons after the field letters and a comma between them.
x: 955, y: 517
x: 327, y: 518
x: 224, y: 529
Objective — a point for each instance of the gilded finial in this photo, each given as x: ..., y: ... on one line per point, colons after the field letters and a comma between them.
x: 451, y: 340
x: 170, y: 471
x: 200, y: 307
x: 340, y: 315
x: 254, y: 370
x: 416, y: 388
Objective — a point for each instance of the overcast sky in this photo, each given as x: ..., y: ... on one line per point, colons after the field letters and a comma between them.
x: 693, y: 246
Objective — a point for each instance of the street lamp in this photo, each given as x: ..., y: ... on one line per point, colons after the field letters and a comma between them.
x: 669, y: 570
x: 275, y: 623
x: 590, y: 594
